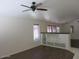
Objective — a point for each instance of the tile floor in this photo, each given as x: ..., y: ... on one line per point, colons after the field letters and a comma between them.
x: 76, y: 52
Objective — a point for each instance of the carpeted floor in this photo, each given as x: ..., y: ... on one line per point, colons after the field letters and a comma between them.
x: 43, y: 52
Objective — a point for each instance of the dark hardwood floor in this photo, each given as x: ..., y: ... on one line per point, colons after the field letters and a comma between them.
x: 43, y: 52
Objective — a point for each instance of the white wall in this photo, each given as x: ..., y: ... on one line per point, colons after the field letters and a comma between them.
x: 66, y: 28
x: 16, y: 34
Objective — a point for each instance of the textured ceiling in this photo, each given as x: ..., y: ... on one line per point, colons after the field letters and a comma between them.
x: 59, y: 11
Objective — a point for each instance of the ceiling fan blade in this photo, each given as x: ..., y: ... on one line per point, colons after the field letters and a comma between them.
x: 25, y: 6
x: 39, y: 4
x: 26, y: 10
x: 42, y: 9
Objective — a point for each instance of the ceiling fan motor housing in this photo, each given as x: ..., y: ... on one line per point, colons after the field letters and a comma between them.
x: 33, y: 3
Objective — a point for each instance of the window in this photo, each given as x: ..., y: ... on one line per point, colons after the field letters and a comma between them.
x: 49, y: 28
x: 52, y: 28
x: 36, y: 32
x: 71, y: 29
x: 58, y: 29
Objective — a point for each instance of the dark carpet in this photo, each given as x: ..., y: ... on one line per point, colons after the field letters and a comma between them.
x: 43, y: 52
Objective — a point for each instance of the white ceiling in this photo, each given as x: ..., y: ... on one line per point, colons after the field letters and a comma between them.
x: 59, y: 11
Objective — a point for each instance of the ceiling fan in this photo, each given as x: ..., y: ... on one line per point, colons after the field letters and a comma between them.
x: 34, y: 7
